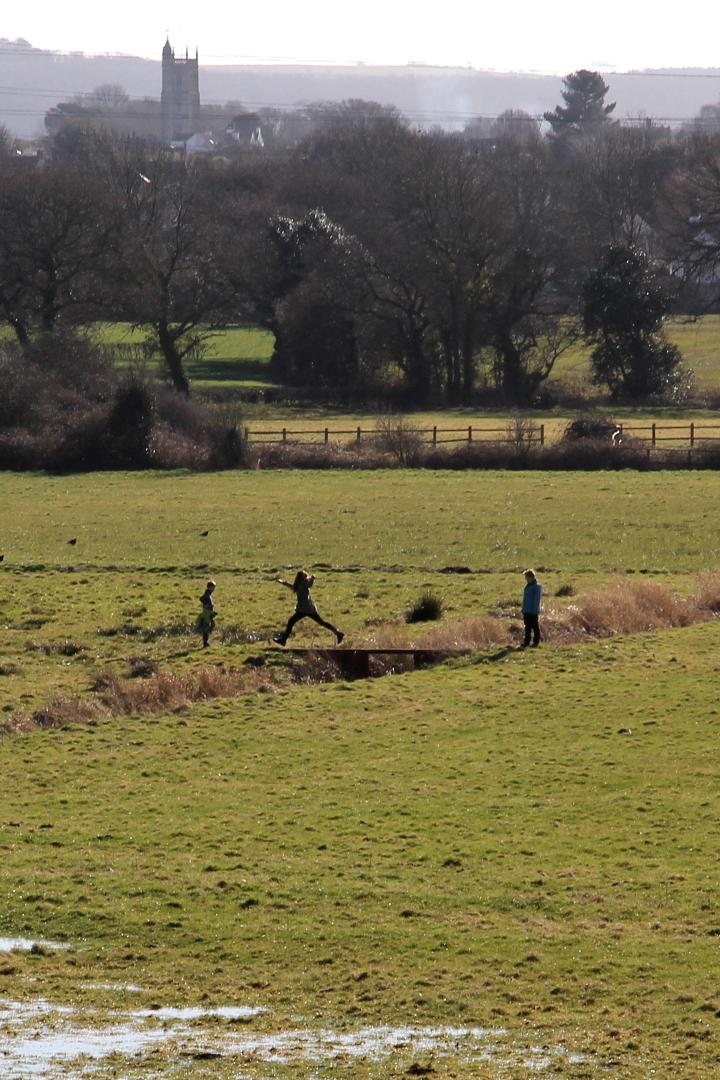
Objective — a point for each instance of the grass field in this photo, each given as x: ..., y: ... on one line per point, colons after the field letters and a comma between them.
x: 519, y: 847
x: 239, y: 356
x: 238, y: 359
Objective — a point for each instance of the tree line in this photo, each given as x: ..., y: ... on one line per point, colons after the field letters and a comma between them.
x: 378, y: 255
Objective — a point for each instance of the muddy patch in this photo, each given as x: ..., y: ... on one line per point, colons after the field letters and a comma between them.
x: 41, y: 1039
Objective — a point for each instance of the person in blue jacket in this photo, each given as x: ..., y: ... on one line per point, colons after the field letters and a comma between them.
x: 531, y: 609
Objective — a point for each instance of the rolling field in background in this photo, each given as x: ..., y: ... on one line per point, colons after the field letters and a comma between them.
x: 521, y: 847
x: 240, y: 356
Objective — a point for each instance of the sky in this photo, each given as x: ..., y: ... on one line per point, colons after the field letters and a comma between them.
x: 557, y: 36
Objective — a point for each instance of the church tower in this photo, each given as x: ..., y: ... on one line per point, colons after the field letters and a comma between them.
x: 180, y: 97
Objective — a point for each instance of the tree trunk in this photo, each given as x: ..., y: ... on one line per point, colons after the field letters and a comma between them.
x: 173, y: 359
x: 20, y: 330
x: 468, y: 366
x: 515, y: 386
x: 418, y: 375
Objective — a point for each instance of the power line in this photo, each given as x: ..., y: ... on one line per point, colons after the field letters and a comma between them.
x: 370, y: 66
x: 306, y: 112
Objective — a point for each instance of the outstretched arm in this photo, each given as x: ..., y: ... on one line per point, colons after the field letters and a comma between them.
x: 287, y: 584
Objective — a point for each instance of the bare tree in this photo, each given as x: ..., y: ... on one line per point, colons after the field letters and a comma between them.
x: 167, y: 268
x: 54, y: 230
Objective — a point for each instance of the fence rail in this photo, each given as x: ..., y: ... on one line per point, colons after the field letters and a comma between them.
x: 432, y: 436
x: 689, y: 434
x: 653, y: 435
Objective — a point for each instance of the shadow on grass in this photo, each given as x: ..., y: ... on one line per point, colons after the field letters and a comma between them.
x: 218, y: 370
x: 491, y: 658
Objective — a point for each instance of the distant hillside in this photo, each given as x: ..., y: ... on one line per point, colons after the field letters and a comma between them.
x: 32, y: 81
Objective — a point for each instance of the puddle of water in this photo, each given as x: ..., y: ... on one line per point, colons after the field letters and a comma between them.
x: 38, y: 1038
x: 227, y: 1012
x: 11, y: 944
x: 129, y: 988
x: 41, y: 1055
x: 374, y: 1042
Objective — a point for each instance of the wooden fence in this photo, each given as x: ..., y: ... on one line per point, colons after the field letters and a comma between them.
x: 433, y: 436
x: 658, y: 435
x: 654, y: 436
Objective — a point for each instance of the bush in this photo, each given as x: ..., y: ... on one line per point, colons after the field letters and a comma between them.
x: 427, y: 609
x: 130, y: 426
x: 65, y: 410
x: 588, y: 427
x: 395, y: 436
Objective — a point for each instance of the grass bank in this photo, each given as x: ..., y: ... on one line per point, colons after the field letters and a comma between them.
x: 524, y: 842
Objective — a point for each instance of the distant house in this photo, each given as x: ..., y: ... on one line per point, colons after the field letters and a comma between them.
x: 200, y: 145
x: 245, y: 129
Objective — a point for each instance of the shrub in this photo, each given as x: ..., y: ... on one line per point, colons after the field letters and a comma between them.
x: 522, y: 435
x: 589, y: 427
x: 63, y: 408
x: 396, y: 437
x: 130, y: 426
x: 427, y: 609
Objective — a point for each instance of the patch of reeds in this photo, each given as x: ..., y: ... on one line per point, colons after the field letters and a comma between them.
x: 707, y: 591
x: 477, y: 632
x: 635, y: 606
x: 159, y: 692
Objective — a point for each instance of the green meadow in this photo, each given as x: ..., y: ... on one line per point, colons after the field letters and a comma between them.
x: 523, y: 846
x: 239, y: 356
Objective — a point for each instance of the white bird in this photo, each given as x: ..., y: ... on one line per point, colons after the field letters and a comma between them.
x: 145, y: 179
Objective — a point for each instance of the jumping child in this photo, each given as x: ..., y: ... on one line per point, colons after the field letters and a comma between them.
x: 206, y: 619
x: 304, y: 607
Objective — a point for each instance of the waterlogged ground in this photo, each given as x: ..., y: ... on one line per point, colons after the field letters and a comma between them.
x: 493, y: 868
x: 45, y: 1040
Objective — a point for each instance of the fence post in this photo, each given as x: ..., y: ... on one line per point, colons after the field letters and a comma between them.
x: 653, y: 434
x: 284, y: 435
x: 357, y: 439
x: 247, y: 434
x: 434, y: 442
x: 327, y: 436
x: 470, y: 433
x: 692, y: 433
x: 542, y: 434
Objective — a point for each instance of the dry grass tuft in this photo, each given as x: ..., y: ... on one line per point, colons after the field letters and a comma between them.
x: 707, y: 591
x: 384, y: 636
x: 474, y: 633
x: 110, y: 695
x: 563, y: 625
x: 632, y: 607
